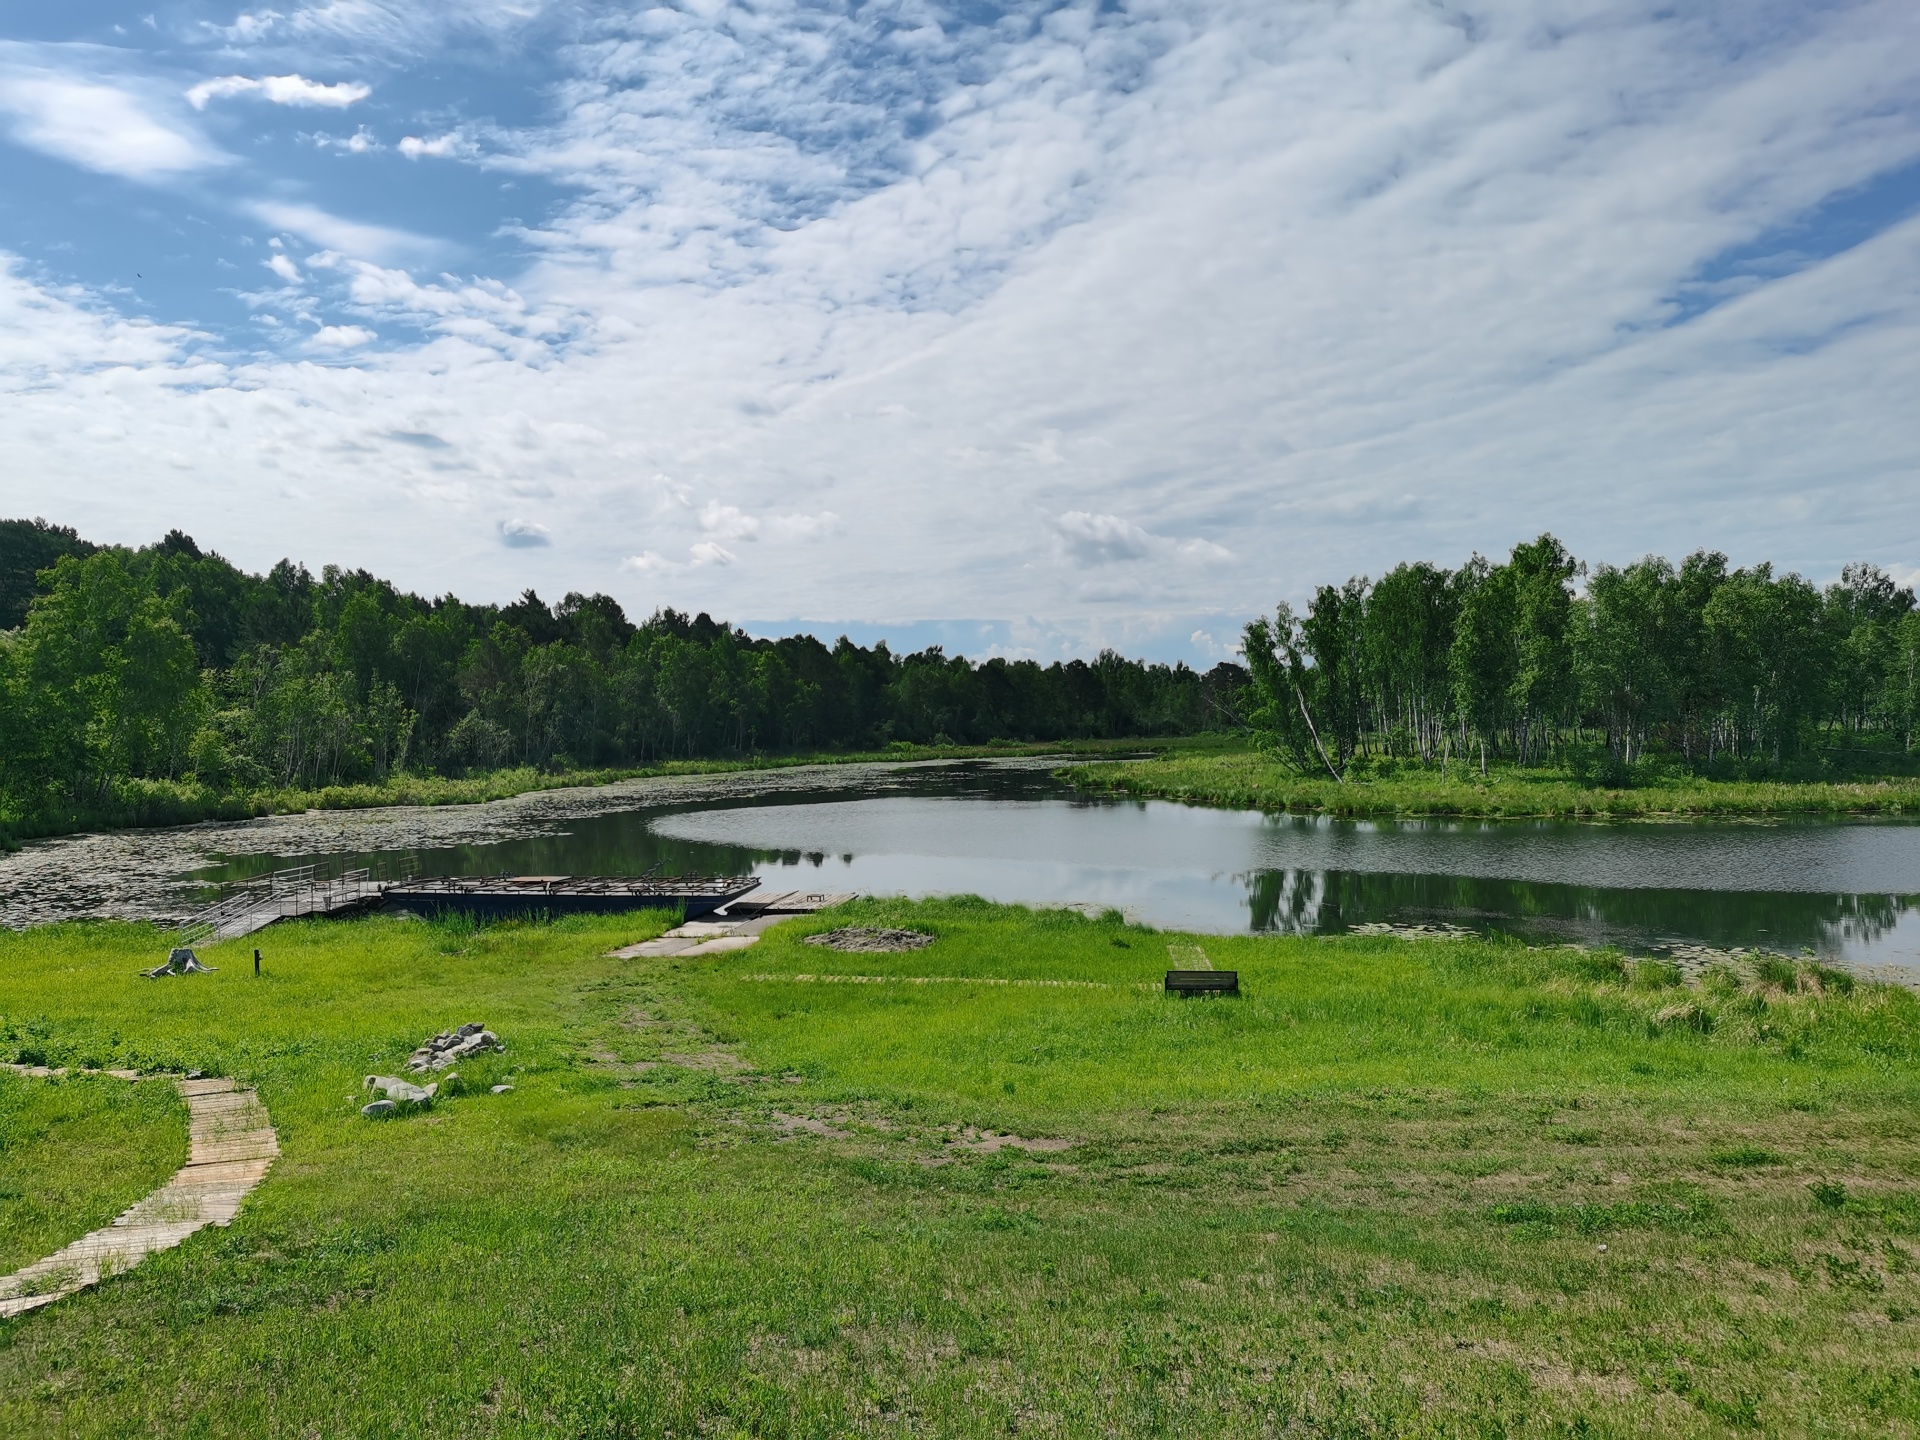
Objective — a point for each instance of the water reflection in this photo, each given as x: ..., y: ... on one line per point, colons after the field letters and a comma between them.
x: 1331, y: 901
x: 1010, y: 832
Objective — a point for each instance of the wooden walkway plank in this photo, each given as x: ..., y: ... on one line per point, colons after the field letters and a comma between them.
x: 231, y: 1147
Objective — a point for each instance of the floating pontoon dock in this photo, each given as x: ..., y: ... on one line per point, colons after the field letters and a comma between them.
x: 305, y: 890
x: 499, y: 895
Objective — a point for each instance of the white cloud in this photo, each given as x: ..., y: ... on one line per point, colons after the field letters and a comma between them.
x: 100, y: 123
x: 414, y: 148
x: 524, y: 534
x: 1090, y: 539
x: 1101, y: 539
x: 1204, y: 642
x: 1202, y: 550
x: 728, y: 522
x: 50, y: 339
x: 1136, y: 320
x: 410, y: 29
x: 283, y: 267
x: 376, y: 242
x: 804, y: 527
x: 280, y: 90
x: 343, y: 337
x: 362, y: 142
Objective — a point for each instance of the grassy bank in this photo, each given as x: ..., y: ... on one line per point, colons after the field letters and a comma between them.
x: 1248, y: 780
x: 1443, y: 1188
x: 143, y: 803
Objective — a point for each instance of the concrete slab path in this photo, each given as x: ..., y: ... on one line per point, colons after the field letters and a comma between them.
x: 726, y: 930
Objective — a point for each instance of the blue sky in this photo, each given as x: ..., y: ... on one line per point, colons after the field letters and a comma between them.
x: 1030, y: 327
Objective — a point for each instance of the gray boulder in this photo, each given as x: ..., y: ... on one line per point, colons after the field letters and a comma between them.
x: 379, y: 1109
x: 404, y: 1092
x: 450, y: 1047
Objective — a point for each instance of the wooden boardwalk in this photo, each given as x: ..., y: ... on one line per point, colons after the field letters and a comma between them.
x: 232, y: 1146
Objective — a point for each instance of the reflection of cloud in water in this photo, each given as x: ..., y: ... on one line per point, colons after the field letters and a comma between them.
x: 1005, y: 830
x: 1809, y: 857
x: 1722, y: 884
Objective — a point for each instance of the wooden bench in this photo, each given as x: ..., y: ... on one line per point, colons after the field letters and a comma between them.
x: 1203, y: 982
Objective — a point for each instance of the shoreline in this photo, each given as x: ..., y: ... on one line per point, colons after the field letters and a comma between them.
x: 139, y: 874
x: 1249, y: 782
x: 168, y: 804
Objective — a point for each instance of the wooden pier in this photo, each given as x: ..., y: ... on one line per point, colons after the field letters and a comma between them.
x: 306, y: 890
x: 288, y: 894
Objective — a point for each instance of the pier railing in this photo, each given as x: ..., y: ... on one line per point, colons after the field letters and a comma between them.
x: 291, y: 892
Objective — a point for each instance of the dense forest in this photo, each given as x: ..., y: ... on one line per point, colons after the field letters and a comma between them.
x: 170, y: 664
x: 1728, y: 672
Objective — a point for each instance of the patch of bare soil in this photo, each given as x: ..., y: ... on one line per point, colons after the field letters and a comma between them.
x: 867, y: 939
x: 716, y: 1061
x: 795, y: 1124
x: 988, y: 1142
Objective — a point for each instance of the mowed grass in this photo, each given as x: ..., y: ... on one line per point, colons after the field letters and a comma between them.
x: 1448, y: 1188
x: 1317, y: 1017
x: 77, y: 1150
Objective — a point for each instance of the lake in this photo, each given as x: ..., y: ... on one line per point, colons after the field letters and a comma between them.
x: 1846, y: 890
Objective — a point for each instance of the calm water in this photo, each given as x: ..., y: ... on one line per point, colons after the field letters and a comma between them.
x: 1007, y: 831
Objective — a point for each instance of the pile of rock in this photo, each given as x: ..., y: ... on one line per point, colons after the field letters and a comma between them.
x: 867, y: 939
x: 450, y: 1047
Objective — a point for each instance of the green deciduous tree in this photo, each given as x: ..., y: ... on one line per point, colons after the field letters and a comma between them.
x: 113, y: 684
x: 1766, y: 634
x: 1280, y: 682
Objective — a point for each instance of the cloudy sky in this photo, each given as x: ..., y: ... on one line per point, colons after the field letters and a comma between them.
x: 1024, y: 325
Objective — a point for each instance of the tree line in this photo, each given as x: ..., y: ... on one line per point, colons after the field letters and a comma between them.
x: 1724, y: 670
x: 169, y: 663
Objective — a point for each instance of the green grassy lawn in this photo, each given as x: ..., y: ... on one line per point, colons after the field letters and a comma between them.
x: 1459, y: 1188
x: 1246, y: 779
x: 77, y: 1150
